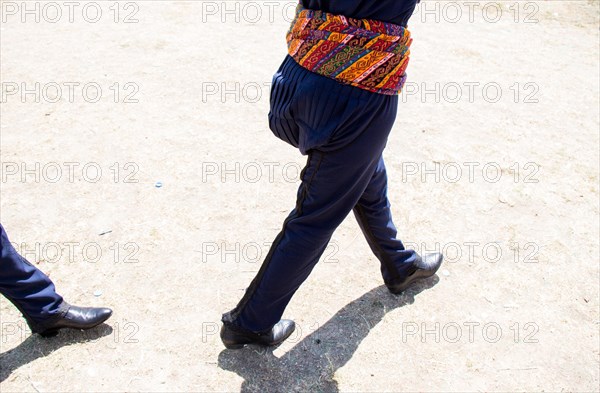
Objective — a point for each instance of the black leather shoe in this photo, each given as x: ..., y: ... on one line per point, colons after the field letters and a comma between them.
x: 76, y: 318
x: 234, y: 337
x: 423, y: 267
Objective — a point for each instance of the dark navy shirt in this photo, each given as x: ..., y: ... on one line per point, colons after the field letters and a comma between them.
x: 393, y: 11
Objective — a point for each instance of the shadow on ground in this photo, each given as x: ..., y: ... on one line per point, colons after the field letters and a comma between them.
x: 36, y: 346
x: 311, y: 364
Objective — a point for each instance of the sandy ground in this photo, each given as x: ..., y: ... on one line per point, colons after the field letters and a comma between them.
x: 506, y: 185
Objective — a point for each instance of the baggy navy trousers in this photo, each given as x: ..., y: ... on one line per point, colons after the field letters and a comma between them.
x: 27, y: 287
x: 343, y: 130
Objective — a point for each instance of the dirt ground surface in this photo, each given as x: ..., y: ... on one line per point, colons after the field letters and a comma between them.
x: 139, y: 172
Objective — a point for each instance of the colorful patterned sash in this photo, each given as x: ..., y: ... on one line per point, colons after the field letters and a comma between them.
x: 364, y: 53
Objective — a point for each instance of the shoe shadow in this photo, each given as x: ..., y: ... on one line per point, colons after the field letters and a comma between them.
x: 35, y: 347
x: 311, y: 364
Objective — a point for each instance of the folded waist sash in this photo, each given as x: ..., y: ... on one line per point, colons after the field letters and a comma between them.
x: 364, y: 53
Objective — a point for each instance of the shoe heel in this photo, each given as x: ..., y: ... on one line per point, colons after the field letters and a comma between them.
x: 234, y: 346
x: 49, y: 333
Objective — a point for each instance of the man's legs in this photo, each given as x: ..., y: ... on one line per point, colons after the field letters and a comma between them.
x: 374, y: 217
x: 27, y: 287
x: 332, y: 184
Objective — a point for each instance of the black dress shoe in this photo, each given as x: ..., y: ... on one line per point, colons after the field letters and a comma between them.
x: 76, y: 318
x: 423, y: 267
x: 235, y: 337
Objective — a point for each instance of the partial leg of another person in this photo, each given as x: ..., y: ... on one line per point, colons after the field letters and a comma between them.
x: 34, y: 294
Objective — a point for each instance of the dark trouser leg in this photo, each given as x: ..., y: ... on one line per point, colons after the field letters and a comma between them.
x: 332, y: 184
x: 374, y: 217
x: 27, y: 287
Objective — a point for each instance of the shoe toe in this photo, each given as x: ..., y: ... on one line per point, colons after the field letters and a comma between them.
x: 86, y: 317
x: 433, y: 261
x: 287, y: 324
x: 281, y: 331
x: 105, y: 312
